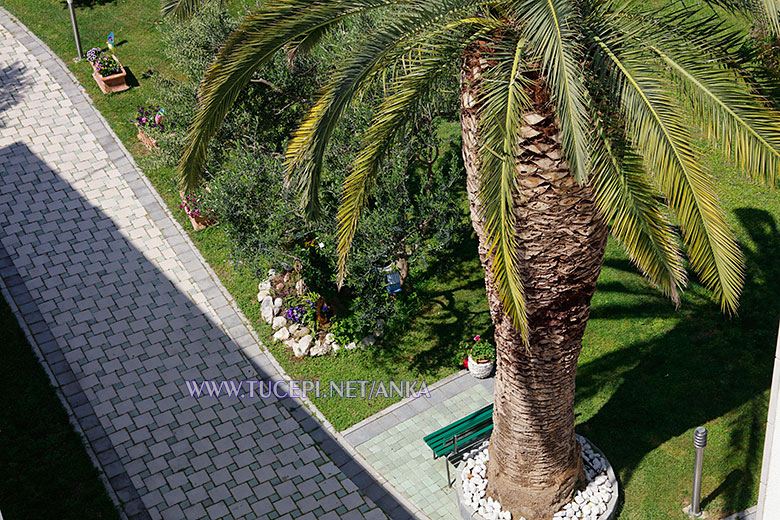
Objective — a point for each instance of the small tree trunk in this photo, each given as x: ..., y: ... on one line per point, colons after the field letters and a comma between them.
x: 535, y: 460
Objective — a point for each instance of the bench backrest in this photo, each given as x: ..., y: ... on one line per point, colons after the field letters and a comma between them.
x: 474, y: 425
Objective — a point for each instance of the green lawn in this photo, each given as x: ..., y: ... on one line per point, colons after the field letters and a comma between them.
x: 45, y: 471
x: 648, y: 375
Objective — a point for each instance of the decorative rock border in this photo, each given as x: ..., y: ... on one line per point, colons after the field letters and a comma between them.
x: 598, y: 501
x: 298, y: 337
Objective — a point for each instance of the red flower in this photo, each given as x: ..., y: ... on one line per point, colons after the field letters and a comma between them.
x: 466, y: 362
x: 476, y: 338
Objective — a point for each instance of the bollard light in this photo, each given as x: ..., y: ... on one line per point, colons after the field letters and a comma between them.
x: 699, y: 442
x: 75, y: 28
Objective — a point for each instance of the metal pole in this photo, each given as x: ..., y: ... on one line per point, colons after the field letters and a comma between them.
x: 75, y: 28
x: 699, y: 442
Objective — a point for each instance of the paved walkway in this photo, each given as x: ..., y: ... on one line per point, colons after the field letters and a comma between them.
x: 122, y: 309
x: 392, y: 441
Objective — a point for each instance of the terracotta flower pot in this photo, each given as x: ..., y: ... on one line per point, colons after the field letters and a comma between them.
x: 480, y: 369
x: 113, y: 83
x: 198, y: 221
x: 150, y: 143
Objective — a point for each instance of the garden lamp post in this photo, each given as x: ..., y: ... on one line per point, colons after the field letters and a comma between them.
x: 699, y: 442
x: 75, y: 28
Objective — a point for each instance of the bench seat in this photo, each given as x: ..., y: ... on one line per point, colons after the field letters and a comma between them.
x: 454, y: 440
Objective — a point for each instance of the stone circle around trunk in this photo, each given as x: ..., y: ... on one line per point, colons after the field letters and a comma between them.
x: 598, y: 501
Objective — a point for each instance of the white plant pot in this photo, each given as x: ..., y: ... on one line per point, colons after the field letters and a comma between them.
x: 480, y: 370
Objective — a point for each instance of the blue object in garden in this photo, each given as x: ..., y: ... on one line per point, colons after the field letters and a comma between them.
x: 110, y: 41
x: 393, y: 282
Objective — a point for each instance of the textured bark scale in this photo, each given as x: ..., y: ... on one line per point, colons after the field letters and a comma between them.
x: 535, y: 459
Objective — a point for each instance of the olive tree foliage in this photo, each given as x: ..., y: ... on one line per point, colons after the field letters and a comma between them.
x: 412, y: 215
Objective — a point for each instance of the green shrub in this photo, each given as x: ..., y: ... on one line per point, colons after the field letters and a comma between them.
x: 482, y: 349
x: 347, y: 330
x: 411, y: 214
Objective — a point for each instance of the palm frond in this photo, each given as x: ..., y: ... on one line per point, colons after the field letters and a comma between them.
x: 550, y: 27
x: 307, y: 147
x: 502, y: 101
x: 730, y: 113
x: 770, y: 9
x: 654, y: 125
x: 723, y: 103
x: 629, y: 204
x: 260, y: 35
x: 181, y: 9
x: 423, y: 69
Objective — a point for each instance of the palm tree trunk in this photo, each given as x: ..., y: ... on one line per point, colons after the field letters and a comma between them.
x: 535, y: 460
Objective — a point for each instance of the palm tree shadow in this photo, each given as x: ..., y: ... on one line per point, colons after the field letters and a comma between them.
x: 14, y: 80
x: 706, y: 366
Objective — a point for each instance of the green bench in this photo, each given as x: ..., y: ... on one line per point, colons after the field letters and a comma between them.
x: 454, y: 440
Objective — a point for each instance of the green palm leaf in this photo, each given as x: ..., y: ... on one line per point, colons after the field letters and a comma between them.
x: 550, y: 29
x: 181, y: 9
x: 630, y: 206
x: 423, y: 68
x: 502, y: 101
x: 307, y: 147
x: 260, y: 35
x: 654, y: 125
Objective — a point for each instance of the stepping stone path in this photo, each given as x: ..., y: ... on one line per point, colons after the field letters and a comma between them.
x: 122, y: 311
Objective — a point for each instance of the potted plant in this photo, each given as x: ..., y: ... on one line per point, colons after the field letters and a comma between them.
x: 193, y: 207
x: 107, y: 72
x: 148, y: 117
x: 482, y: 358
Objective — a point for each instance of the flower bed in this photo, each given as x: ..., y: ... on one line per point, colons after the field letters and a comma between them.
x: 301, y: 319
x: 107, y: 71
x: 193, y: 207
x: 147, y: 119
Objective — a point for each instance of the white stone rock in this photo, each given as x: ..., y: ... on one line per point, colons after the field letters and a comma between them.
x: 351, y: 346
x: 261, y: 295
x: 320, y: 348
x: 279, y: 322
x: 379, y: 328
x: 282, y: 334
x: 330, y: 338
x: 271, y: 273
x: 303, y: 345
x: 301, y: 332
x: 265, y: 285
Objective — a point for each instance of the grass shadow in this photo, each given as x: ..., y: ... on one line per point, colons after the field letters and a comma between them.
x: 706, y: 366
x: 131, y: 80
x: 89, y: 4
x: 456, y: 308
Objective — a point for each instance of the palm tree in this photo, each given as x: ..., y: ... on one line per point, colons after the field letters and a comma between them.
x: 577, y: 119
